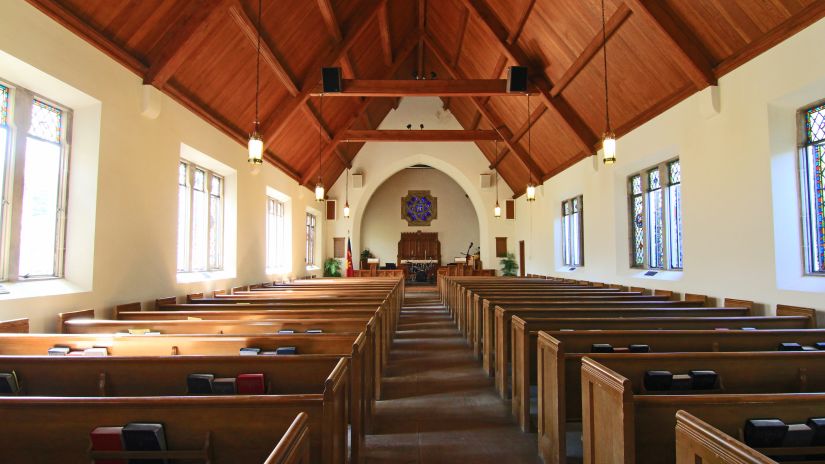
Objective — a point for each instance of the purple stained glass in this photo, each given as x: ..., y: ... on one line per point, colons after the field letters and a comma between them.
x: 815, y: 124
x: 675, y: 172
x: 46, y: 122
x: 638, y: 231
x: 4, y: 105
x: 419, y: 208
x: 819, y: 186
x: 636, y: 184
x: 654, y: 182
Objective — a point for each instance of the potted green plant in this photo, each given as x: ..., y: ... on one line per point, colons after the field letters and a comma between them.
x: 332, y: 268
x: 509, y: 266
x: 365, y: 255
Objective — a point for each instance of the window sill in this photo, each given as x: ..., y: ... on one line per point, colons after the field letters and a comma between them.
x: 569, y: 268
x: 313, y: 268
x: 278, y: 271
x: 671, y: 275
x: 39, y: 288
x: 192, y: 277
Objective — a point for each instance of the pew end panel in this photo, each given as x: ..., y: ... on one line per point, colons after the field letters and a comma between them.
x: 607, y: 413
x: 125, y: 307
x: 699, y: 442
x: 736, y: 303
x: 552, y: 381
x: 334, y: 427
x: 15, y: 326
x: 63, y: 318
x: 785, y: 310
x: 293, y: 447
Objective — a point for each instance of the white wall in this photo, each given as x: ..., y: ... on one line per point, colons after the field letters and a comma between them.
x: 463, y: 162
x: 739, y: 189
x: 133, y: 216
x: 456, y: 224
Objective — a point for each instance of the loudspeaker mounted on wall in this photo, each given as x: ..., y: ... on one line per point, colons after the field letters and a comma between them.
x: 486, y: 181
x: 517, y: 79
x: 150, y: 101
x: 358, y: 181
x: 332, y: 80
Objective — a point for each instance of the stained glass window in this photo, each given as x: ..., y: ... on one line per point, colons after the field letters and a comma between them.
x: 4, y: 105
x: 637, y: 222
x: 419, y: 208
x: 46, y: 122
x: 655, y: 207
x: 572, y: 227
x: 812, y: 157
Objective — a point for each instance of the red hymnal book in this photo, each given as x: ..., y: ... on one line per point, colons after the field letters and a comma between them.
x: 108, y: 439
x: 250, y: 384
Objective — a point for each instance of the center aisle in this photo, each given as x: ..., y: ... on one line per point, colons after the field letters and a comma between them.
x: 438, y: 405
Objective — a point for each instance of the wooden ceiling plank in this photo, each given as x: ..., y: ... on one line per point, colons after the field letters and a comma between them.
x: 421, y: 87
x: 516, y: 32
x: 250, y: 30
x: 616, y: 20
x: 384, y: 28
x: 488, y: 114
x: 462, y: 30
x: 316, y: 121
x: 62, y: 15
x: 584, y: 137
x: 201, y: 110
x: 422, y: 22
x: 283, y: 112
x: 685, y: 48
x: 328, y: 14
x: 181, y: 41
x: 425, y: 135
x: 517, y: 135
x: 400, y: 58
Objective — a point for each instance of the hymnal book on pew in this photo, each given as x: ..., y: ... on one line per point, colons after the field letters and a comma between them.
x: 314, y: 331
x: 107, y: 439
x: 200, y: 384
x: 224, y: 386
x: 250, y: 384
x: 286, y: 332
x: 9, y: 385
x: 248, y: 351
x: 59, y: 351
x: 139, y: 436
x: 96, y: 351
x: 285, y: 350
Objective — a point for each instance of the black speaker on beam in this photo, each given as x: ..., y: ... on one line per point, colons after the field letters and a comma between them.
x: 332, y: 80
x: 517, y: 79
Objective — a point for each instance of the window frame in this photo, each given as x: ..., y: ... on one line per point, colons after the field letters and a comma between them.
x: 209, y: 175
x: 275, y: 244
x: 311, y: 239
x: 570, y: 208
x: 665, y: 184
x: 806, y: 171
x: 19, y: 111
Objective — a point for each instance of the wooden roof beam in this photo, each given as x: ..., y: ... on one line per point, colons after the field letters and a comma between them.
x: 384, y: 28
x: 486, y: 112
x: 283, y: 111
x: 462, y: 30
x: 516, y: 32
x: 422, y: 87
x: 584, y: 137
x: 612, y: 25
x: 517, y: 135
x: 416, y: 135
x: 328, y: 13
x: 422, y: 24
x: 400, y: 58
x: 684, y: 46
x: 250, y: 30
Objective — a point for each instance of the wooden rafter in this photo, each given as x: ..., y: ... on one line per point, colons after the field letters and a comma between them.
x: 384, y: 28
x: 183, y: 40
x: 416, y: 135
x: 283, y: 112
x: 516, y: 32
x: 518, y: 134
x: 584, y: 138
x: 400, y: 58
x: 422, y: 24
x: 616, y: 20
x: 419, y: 88
x: 488, y: 114
x: 684, y: 47
x: 459, y: 44
x: 328, y: 13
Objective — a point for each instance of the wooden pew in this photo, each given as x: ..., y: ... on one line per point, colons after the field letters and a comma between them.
x: 699, y: 442
x: 622, y: 424
x: 501, y: 346
x: 15, y: 326
x: 293, y: 447
x: 559, y: 367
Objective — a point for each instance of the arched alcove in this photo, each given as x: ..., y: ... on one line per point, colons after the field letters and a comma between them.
x: 456, y: 222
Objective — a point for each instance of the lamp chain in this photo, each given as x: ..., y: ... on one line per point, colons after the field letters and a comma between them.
x: 604, y: 54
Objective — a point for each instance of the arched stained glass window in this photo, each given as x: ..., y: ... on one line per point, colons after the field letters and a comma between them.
x: 655, y: 217
x: 812, y: 164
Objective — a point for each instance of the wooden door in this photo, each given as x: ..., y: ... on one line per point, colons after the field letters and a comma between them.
x: 521, y: 264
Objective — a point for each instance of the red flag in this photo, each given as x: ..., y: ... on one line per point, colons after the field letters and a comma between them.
x: 350, y: 270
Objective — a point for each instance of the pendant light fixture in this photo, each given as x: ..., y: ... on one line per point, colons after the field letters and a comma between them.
x: 319, y: 187
x: 497, y: 209
x: 609, y: 138
x: 256, y: 143
x: 531, y: 187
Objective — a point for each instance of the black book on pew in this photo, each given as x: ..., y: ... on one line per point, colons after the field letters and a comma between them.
x: 788, y: 346
x: 765, y: 433
x: 819, y: 345
x: 224, y: 386
x: 250, y: 351
x: 139, y: 436
x: 200, y: 384
x: 286, y: 350
x: 8, y: 383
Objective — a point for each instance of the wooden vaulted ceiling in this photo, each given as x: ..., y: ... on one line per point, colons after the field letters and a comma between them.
x: 202, y: 53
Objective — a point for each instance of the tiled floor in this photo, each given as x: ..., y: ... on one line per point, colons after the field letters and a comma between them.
x: 439, y: 407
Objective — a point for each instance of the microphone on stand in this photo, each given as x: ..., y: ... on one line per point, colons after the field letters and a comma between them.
x: 468, y: 250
